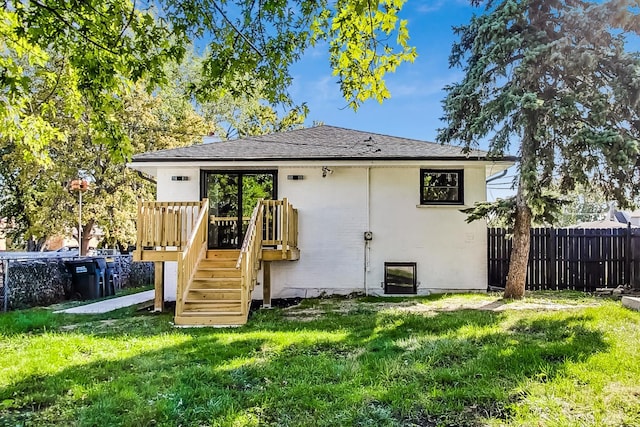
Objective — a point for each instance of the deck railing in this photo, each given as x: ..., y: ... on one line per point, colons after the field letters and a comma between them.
x: 273, y: 223
x: 251, y: 255
x: 180, y: 231
x: 163, y: 225
x: 193, y: 251
x: 280, y: 225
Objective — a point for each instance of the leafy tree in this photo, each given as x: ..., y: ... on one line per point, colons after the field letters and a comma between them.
x: 38, y: 192
x: 584, y: 204
x: 236, y: 115
x: 552, y: 79
x: 240, y: 117
x: 108, y: 45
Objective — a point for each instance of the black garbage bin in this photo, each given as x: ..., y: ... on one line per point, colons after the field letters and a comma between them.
x: 101, y: 269
x: 109, y: 278
x: 86, y: 278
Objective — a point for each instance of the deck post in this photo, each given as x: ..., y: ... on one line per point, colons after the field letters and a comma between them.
x: 284, y: 215
x: 137, y: 254
x: 266, y: 284
x: 158, y: 304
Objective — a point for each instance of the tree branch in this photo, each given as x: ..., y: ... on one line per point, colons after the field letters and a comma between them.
x: 372, y: 40
x: 53, y: 89
x: 71, y: 27
x: 228, y: 21
x: 126, y: 25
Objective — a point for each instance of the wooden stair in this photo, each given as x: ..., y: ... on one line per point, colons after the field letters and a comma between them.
x: 214, y: 297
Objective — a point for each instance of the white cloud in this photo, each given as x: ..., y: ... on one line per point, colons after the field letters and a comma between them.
x: 435, y: 5
x: 319, y: 50
x: 324, y: 88
x: 430, y: 6
x: 421, y: 88
x: 313, y: 88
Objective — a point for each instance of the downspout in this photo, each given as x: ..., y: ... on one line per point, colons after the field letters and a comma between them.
x: 500, y: 175
x: 367, y: 248
x: 146, y: 178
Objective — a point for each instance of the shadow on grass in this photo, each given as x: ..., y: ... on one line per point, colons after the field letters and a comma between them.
x: 381, y: 369
x: 37, y: 321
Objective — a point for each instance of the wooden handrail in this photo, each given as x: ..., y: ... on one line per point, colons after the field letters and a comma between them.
x: 193, y: 251
x: 250, y: 256
x: 273, y: 223
x: 250, y: 232
x: 213, y: 218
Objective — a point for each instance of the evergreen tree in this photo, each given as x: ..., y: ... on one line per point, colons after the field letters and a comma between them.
x: 552, y: 79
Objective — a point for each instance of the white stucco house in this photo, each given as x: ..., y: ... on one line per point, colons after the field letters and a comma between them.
x: 377, y: 214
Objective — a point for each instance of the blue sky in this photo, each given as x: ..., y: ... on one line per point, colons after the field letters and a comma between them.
x: 414, y: 109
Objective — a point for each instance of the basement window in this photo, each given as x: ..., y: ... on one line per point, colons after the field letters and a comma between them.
x: 441, y: 187
x: 400, y: 278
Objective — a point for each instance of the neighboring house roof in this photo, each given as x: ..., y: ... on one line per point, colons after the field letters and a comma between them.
x: 621, y: 217
x: 316, y: 143
x: 605, y: 223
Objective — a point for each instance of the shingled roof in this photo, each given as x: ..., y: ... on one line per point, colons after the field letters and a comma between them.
x: 315, y: 143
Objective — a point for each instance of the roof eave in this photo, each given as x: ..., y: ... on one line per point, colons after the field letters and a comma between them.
x: 327, y: 158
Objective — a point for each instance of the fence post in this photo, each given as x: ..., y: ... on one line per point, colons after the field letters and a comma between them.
x: 627, y: 256
x: 489, y: 260
x: 552, y: 264
x: 5, y: 286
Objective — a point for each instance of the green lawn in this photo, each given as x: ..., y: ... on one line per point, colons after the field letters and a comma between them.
x: 367, y: 362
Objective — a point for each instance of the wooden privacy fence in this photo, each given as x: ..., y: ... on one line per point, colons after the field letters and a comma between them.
x: 570, y: 258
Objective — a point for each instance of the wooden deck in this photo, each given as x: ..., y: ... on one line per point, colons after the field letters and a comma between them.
x: 214, y: 286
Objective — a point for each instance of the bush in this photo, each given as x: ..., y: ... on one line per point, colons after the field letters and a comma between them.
x: 38, y: 282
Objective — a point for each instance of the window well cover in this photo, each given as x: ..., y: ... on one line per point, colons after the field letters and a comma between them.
x: 399, y: 277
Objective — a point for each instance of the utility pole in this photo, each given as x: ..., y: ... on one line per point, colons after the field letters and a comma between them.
x: 79, y: 185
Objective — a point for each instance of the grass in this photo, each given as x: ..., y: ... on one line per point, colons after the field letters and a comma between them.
x: 331, y: 362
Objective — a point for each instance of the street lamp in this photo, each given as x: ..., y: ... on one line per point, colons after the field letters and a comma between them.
x: 79, y: 185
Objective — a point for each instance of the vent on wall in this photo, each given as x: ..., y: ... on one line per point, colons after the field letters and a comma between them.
x: 179, y: 178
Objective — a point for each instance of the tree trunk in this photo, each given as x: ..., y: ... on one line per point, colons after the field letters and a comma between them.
x: 35, y: 245
x: 87, y: 234
x: 517, y: 278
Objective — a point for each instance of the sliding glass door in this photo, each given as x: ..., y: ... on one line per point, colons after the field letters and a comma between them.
x: 232, y: 198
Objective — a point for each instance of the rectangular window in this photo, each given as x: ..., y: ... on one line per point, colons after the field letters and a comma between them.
x: 441, y: 187
x: 400, y: 278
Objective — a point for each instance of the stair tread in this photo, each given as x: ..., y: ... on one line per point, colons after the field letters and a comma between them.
x: 231, y: 262
x: 207, y: 284
x: 210, y: 313
x: 212, y: 304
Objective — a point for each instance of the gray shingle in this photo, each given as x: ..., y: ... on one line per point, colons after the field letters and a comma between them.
x: 316, y: 143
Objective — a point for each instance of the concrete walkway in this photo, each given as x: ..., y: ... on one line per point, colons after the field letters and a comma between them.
x: 111, y: 304
x: 631, y: 302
